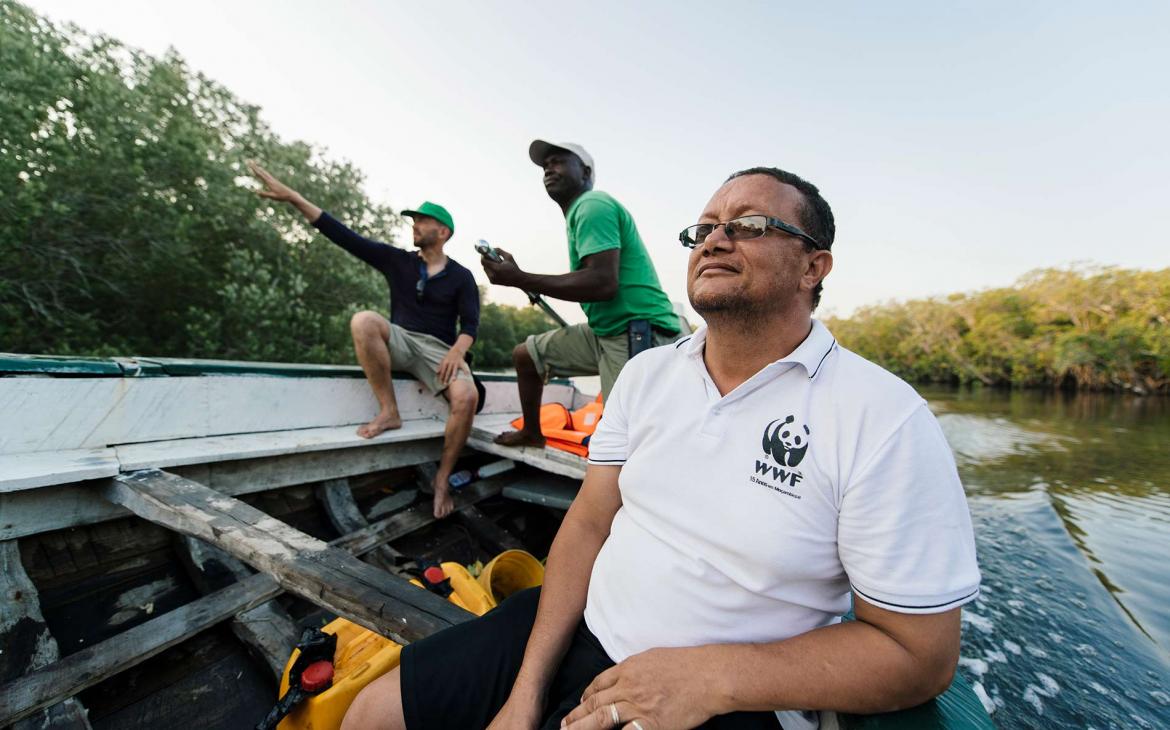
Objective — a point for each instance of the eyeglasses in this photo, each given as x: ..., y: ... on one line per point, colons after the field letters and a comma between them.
x: 742, y: 229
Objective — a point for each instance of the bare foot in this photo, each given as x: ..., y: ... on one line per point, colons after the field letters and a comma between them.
x: 383, y: 422
x: 520, y: 438
x: 443, y: 502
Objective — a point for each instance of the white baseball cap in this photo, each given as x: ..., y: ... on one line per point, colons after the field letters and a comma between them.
x: 539, y: 149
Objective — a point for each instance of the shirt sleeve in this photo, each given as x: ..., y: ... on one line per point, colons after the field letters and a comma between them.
x: 596, y: 227
x: 904, y: 532
x: 468, y: 306
x: 376, y: 254
x: 610, y: 443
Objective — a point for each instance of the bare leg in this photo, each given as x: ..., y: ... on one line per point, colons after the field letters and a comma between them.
x: 531, y: 385
x: 378, y: 706
x: 371, y: 332
x: 463, y: 398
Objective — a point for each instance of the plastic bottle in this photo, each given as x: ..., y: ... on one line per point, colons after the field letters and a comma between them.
x: 460, y: 479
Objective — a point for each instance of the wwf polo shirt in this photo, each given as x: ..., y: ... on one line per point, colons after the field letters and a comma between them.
x: 751, y: 517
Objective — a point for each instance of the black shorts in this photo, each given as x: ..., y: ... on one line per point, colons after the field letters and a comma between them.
x: 459, y: 678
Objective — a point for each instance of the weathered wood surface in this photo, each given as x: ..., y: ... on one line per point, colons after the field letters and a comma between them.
x: 304, y: 565
x: 491, y: 536
x: 51, y: 414
x: 337, y: 498
x: 182, y: 452
x: 267, y: 629
x: 553, y: 461
x: 392, y: 503
x: 54, y: 414
x: 26, y: 644
x: 53, y: 508
x: 43, y: 468
x: 51, y: 684
x: 92, y: 665
x: 558, y: 494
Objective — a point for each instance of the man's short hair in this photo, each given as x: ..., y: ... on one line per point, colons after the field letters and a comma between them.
x: 815, y: 216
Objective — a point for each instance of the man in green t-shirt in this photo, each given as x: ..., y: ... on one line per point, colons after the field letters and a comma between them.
x: 611, y: 275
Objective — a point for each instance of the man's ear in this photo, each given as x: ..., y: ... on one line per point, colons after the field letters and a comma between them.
x: 588, y: 174
x: 447, y: 233
x: 820, y: 263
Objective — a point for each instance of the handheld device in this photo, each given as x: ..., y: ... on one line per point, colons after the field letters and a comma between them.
x: 483, y: 248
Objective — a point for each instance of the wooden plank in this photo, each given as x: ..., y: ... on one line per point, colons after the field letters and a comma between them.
x: 183, y: 452
x: 51, y: 684
x: 126, y: 650
x: 408, y: 520
x: 553, y: 461
x: 491, y: 536
x: 70, y: 505
x: 545, y: 492
x: 44, y: 414
x: 267, y: 629
x: 27, y: 644
x: 392, y: 503
x: 43, y: 468
x: 254, y: 475
x: 343, y: 512
x: 304, y: 565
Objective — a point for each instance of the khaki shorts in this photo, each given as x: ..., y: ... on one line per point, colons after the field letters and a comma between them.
x: 420, y: 355
x: 576, y: 350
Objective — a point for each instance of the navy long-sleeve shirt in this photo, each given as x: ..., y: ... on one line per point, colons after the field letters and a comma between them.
x: 448, y: 295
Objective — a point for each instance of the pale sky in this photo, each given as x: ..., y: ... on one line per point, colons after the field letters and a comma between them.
x: 959, y: 144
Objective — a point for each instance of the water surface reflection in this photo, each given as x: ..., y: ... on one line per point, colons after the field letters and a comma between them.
x: 1071, y: 500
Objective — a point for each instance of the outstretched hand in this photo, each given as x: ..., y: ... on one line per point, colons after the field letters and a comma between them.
x: 504, y: 273
x: 273, y: 188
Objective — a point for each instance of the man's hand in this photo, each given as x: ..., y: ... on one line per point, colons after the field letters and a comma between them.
x: 663, y: 689
x: 273, y: 188
x: 276, y: 190
x: 449, y: 365
x: 504, y: 273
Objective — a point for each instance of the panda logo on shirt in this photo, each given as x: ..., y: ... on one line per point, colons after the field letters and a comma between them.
x: 787, y: 442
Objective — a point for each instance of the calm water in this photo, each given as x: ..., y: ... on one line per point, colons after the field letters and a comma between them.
x: 1070, y: 496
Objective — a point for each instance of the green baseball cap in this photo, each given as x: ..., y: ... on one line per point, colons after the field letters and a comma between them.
x: 433, y: 210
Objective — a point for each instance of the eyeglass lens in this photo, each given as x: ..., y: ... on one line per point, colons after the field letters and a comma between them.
x: 740, y: 229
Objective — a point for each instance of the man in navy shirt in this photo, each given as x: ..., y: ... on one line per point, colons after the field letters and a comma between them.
x: 428, y: 293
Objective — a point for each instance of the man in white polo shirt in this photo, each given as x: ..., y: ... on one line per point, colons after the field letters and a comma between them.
x: 745, y: 487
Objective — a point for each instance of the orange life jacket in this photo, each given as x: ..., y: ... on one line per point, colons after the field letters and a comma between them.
x: 565, y: 430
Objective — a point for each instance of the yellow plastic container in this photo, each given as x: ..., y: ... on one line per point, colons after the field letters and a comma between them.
x: 509, y: 572
x: 465, y: 591
x: 362, y: 656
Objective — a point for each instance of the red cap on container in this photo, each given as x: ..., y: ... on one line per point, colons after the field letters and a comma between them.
x: 434, y: 574
x: 317, y: 676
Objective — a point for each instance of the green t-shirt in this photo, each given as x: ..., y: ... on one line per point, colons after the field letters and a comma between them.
x: 595, y: 223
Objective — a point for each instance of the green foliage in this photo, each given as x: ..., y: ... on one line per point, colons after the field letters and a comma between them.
x: 1086, y: 328
x: 501, y: 328
x: 128, y: 224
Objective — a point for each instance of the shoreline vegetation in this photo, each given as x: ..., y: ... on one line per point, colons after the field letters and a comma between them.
x: 1079, y: 328
x: 128, y: 227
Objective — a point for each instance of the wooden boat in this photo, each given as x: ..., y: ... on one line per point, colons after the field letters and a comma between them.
x: 136, y: 492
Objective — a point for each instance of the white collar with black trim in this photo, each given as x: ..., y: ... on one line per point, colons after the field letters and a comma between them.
x: 811, y: 353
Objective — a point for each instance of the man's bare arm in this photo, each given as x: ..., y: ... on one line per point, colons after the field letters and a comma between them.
x: 562, y: 598
x: 881, y: 662
x: 276, y: 190
x: 595, y: 281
